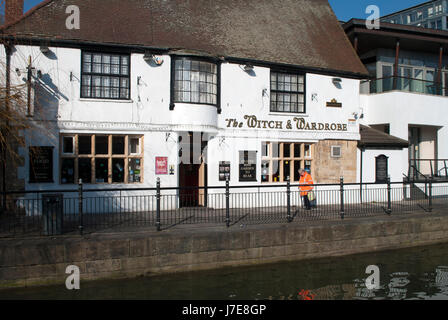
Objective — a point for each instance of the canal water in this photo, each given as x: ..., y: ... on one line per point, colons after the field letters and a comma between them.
x: 416, y: 273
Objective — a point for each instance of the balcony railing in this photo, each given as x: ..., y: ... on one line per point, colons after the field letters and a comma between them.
x: 425, y: 169
x: 403, y: 84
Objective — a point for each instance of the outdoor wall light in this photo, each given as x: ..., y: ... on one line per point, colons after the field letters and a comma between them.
x: 337, y: 80
x: 147, y: 57
x: 44, y: 49
x: 248, y: 68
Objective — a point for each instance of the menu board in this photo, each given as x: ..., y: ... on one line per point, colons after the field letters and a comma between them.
x: 41, y: 164
x: 224, y: 170
x: 248, y: 166
x: 381, y: 169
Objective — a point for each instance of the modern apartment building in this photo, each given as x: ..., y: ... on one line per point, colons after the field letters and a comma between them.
x: 432, y: 14
x: 407, y: 95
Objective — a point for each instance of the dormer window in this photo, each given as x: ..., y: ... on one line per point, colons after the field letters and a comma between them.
x: 105, y: 76
x: 195, y: 81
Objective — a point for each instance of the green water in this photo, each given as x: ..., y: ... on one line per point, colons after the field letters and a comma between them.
x: 417, y: 273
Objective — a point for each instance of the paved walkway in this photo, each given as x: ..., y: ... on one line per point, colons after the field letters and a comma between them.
x: 181, y: 219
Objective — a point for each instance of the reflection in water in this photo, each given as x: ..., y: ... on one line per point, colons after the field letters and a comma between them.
x: 418, y: 273
x: 397, y: 285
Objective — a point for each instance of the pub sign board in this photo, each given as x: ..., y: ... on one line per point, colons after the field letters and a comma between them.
x: 248, y: 166
x: 41, y: 164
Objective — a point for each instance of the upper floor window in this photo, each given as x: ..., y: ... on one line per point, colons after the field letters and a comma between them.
x: 195, y: 81
x: 287, y: 92
x: 105, y: 76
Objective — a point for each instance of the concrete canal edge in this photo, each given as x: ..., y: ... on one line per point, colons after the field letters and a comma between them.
x: 43, y: 261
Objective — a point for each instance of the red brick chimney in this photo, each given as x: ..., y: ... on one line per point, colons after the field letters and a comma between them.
x: 13, y: 10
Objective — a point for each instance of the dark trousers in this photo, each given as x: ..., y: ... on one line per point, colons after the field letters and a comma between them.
x: 306, y: 202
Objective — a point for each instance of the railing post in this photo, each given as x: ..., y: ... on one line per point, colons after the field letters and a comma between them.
x: 158, y: 225
x: 342, y: 198
x: 430, y: 195
x: 4, y: 202
x: 446, y: 169
x: 227, y: 203
x: 389, y: 203
x: 80, y: 206
x: 288, y: 199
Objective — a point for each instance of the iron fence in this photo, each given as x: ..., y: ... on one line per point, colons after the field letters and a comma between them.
x: 57, y: 212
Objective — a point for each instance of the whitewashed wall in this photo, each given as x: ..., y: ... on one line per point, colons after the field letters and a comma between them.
x: 147, y: 113
x: 395, y: 164
x: 401, y: 109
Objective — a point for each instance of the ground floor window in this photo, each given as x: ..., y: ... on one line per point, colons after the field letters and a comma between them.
x: 101, y: 158
x: 282, y: 160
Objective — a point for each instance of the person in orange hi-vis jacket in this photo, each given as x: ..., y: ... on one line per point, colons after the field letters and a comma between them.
x: 305, y: 186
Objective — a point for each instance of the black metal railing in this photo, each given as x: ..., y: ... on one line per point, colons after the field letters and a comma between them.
x: 424, y: 169
x: 81, y: 210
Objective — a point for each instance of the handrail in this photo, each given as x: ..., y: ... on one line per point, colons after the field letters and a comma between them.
x: 416, y: 170
x: 428, y: 160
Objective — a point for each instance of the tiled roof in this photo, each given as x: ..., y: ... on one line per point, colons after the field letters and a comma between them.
x: 303, y: 33
x: 372, y: 138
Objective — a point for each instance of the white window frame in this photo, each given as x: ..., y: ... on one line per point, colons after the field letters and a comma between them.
x: 333, y: 148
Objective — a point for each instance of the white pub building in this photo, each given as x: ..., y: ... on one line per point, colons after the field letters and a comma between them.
x: 192, y: 92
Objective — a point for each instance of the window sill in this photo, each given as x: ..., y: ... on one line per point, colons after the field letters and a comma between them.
x: 289, y: 114
x: 105, y: 100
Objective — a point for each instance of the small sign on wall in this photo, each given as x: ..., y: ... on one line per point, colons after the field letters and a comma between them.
x: 248, y: 166
x: 41, y: 164
x: 161, y: 165
x: 224, y: 170
x: 334, y: 104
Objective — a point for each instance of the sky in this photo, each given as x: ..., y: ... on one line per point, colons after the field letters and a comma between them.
x: 344, y: 9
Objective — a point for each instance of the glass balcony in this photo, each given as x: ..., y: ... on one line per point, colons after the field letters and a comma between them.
x: 403, y: 84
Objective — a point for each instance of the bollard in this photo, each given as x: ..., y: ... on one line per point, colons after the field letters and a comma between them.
x: 227, y: 203
x: 80, y: 207
x: 430, y: 195
x: 342, y: 198
x: 288, y: 199
x: 158, y: 224
x: 389, y: 203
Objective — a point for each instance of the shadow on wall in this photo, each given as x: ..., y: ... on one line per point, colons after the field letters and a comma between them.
x: 47, y: 98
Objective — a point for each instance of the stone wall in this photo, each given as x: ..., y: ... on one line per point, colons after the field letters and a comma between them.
x: 43, y: 261
x: 329, y: 169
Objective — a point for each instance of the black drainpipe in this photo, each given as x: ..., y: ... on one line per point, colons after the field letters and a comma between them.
x: 360, y: 174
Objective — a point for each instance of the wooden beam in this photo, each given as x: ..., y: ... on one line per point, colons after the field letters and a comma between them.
x: 397, y: 55
x: 439, y: 72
